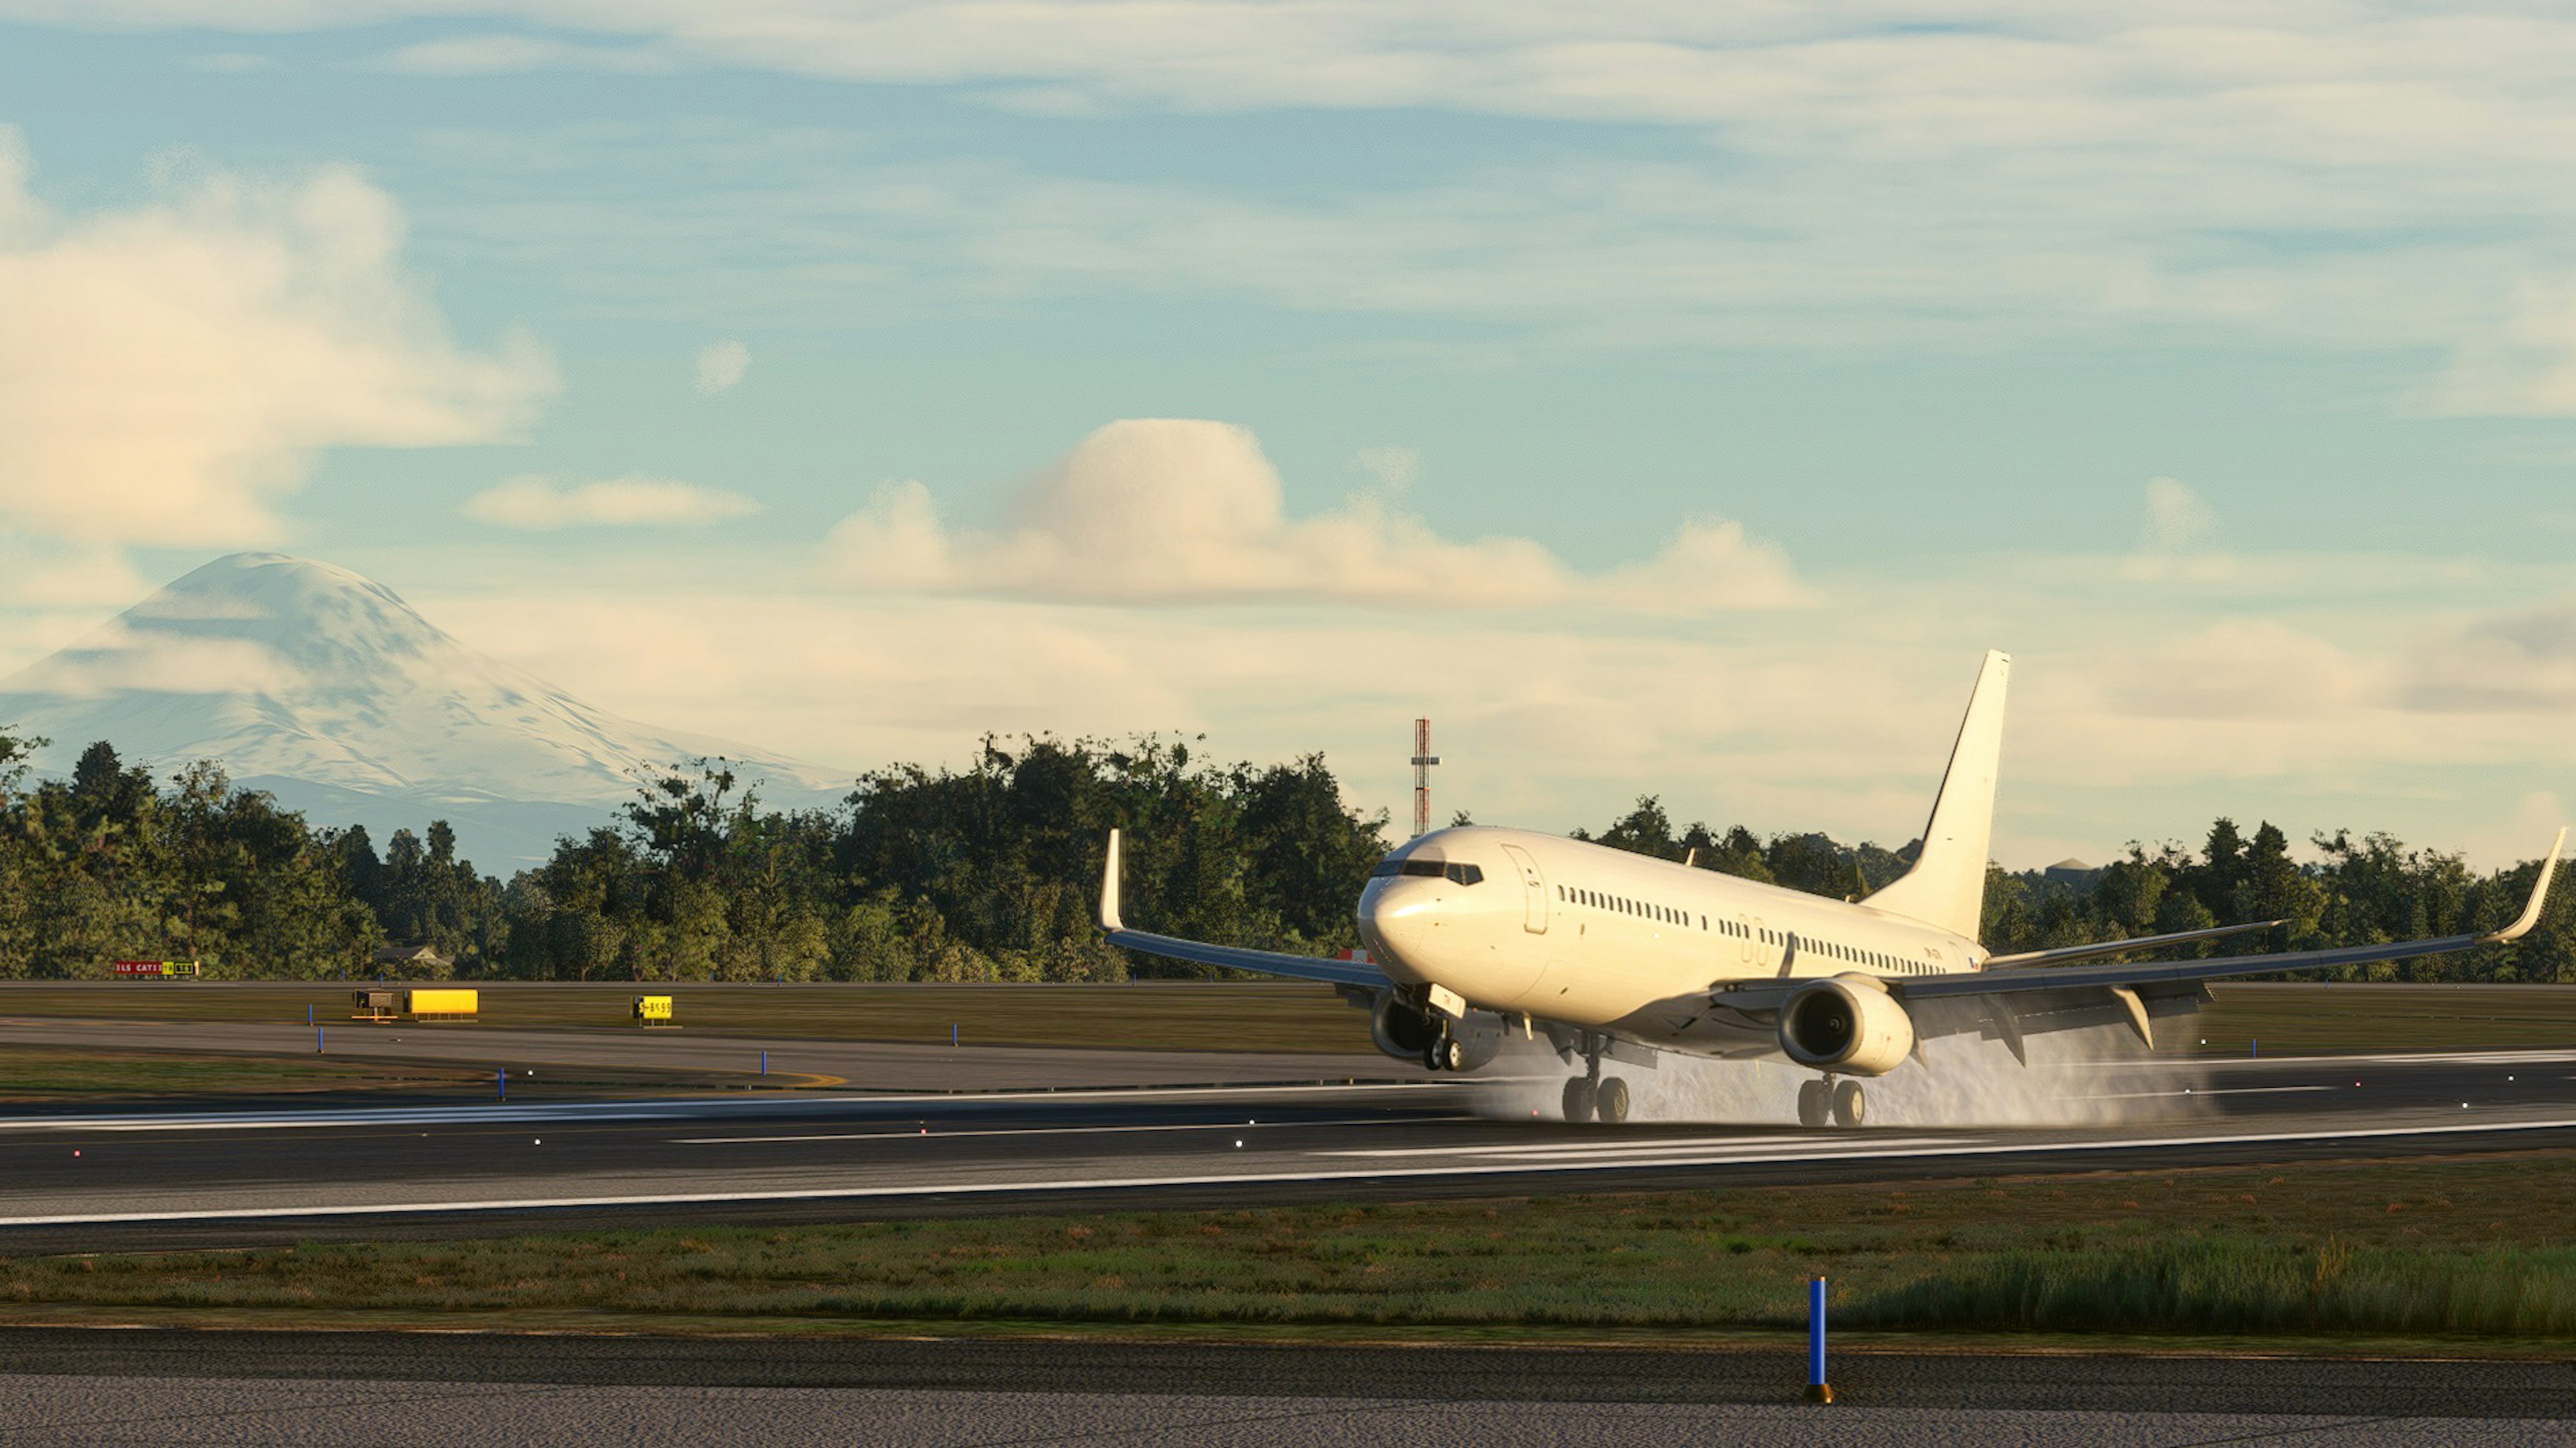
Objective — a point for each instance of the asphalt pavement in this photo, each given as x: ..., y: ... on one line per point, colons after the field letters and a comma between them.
x: 411, y: 1391
x: 237, y: 1173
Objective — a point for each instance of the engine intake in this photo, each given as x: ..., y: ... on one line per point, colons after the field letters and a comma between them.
x: 1849, y: 1026
x: 1404, y: 1031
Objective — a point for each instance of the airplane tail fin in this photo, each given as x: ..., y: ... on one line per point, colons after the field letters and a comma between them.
x: 1947, y: 886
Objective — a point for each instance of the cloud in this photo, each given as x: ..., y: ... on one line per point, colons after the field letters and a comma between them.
x: 721, y: 366
x: 532, y: 501
x: 2248, y: 669
x: 168, y: 371
x: 114, y: 659
x: 2177, y: 517
x: 2524, y: 367
x: 1396, y: 469
x: 502, y: 54
x: 2519, y: 661
x: 1163, y: 510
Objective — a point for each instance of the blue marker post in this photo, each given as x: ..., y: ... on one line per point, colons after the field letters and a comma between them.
x: 952, y: 1036
x: 501, y: 1084
x: 308, y: 1013
x: 2258, y: 1050
x: 1818, y: 1390
x: 317, y: 1040
x: 764, y: 1063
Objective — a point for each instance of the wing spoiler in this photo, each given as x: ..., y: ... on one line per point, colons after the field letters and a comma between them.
x: 1231, y: 957
x: 2121, y: 947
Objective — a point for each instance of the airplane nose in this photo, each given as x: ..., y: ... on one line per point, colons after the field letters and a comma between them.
x: 1395, y: 925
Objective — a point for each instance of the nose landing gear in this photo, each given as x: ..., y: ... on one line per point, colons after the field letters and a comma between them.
x: 1590, y: 1095
x: 1830, y: 1102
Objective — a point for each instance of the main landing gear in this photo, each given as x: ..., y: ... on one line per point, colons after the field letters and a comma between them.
x: 1831, y: 1102
x: 1590, y: 1095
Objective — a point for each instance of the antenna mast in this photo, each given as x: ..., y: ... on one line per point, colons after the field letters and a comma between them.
x: 1423, y: 759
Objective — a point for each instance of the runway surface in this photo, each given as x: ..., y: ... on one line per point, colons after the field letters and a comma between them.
x: 99, y: 1178
x: 859, y: 1065
x: 409, y: 1391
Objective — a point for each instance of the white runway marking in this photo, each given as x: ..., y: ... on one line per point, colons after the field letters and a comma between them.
x: 1638, y: 1150
x: 2216, y: 1091
x: 1237, y: 1179
x: 916, y: 1134
x: 676, y: 1109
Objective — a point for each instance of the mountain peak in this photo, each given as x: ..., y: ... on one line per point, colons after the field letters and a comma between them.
x: 323, y: 686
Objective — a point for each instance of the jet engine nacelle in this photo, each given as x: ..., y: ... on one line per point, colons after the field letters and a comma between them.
x: 1846, y: 1025
x: 1404, y: 1031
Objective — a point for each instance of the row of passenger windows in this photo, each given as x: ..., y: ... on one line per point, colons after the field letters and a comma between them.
x: 1879, y: 958
x: 1626, y: 906
x: 1667, y: 914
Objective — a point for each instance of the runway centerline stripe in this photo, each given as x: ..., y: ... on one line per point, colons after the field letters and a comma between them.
x: 2212, y: 1091
x: 1209, y: 1179
x: 677, y: 1110
x: 955, y: 1132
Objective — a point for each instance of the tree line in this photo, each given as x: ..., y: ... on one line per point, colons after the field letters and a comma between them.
x: 989, y: 873
x: 2369, y: 890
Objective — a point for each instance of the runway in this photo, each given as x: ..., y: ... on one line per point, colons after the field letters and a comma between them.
x: 96, y: 1179
x: 415, y: 1391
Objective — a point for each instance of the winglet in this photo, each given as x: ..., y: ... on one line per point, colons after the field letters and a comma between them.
x: 1109, y: 888
x: 2539, y: 896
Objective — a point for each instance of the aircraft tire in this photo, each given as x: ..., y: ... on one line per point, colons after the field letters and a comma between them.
x: 1578, y: 1099
x: 1815, y: 1104
x: 1610, y: 1103
x: 1453, y: 1054
x: 1851, y: 1108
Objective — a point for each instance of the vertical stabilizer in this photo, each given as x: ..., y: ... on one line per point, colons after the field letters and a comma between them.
x: 1947, y: 886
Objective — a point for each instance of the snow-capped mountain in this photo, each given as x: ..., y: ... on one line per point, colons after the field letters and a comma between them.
x: 326, y: 689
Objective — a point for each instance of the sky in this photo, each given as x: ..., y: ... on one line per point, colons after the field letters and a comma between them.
x: 1663, y: 398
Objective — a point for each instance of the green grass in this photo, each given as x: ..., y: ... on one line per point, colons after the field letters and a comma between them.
x: 1189, y: 1015
x: 46, y: 1072
x: 2474, y: 1250
x: 2305, y: 1019
x: 54, y: 1073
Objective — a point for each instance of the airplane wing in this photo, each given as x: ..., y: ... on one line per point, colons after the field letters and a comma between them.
x: 2121, y: 947
x: 2000, y: 982
x: 1232, y: 957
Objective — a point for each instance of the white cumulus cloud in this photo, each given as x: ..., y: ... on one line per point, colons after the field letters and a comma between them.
x: 168, y: 371
x: 532, y: 501
x: 1177, y: 510
x: 722, y: 365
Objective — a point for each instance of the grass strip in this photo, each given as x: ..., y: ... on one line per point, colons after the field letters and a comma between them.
x: 2462, y: 1250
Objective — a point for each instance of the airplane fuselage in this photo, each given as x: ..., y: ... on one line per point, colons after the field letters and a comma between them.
x: 1536, y: 925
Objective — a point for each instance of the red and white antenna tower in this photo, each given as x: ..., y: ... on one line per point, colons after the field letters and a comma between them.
x: 1423, y: 759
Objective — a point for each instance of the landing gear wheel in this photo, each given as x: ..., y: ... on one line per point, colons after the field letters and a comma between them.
x: 1815, y: 1104
x: 1610, y: 1103
x: 1453, y: 1054
x: 1578, y: 1099
x: 1851, y: 1108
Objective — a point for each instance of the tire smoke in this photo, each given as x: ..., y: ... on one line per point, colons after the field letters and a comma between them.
x: 2098, y: 1076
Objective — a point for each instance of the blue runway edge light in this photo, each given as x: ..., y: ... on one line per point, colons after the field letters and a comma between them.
x: 1818, y: 1390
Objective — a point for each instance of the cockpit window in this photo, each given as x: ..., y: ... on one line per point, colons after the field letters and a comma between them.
x: 1460, y: 874
x: 1432, y: 868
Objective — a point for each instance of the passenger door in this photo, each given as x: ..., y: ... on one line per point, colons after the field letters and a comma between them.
x: 1533, y: 891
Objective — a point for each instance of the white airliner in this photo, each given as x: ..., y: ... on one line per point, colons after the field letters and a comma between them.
x: 1475, y: 932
